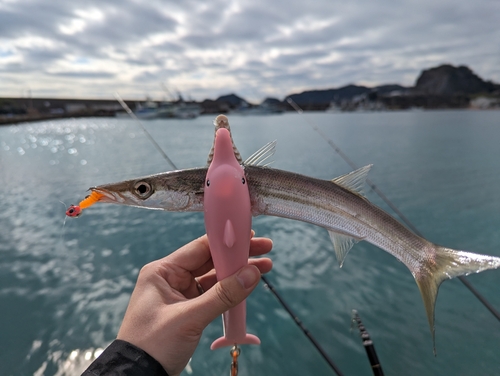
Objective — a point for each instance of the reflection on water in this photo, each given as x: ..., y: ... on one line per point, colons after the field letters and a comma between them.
x: 65, y: 284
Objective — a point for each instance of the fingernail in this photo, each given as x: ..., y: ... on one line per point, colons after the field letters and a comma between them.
x: 248, y: 276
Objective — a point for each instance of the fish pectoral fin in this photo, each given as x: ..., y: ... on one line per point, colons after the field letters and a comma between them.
x: 342, y: 244
x: 354, y: 181
x: 260, y: 156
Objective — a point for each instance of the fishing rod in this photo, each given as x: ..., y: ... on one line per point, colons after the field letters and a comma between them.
x: 299, y: 323
x: 148, y: 135
x: 266, y: 282
x: 367, y: 344
x: 408, y: 223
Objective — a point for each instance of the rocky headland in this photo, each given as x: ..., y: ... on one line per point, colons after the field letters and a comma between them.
x: 440, y: 87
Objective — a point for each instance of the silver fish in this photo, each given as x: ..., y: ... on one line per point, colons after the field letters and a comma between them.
x: 337, y: 205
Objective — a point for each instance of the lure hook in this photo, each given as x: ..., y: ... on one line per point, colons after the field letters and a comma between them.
x: 235, y: 353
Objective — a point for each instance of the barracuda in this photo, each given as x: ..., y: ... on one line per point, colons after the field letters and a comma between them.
x: 337, y: 205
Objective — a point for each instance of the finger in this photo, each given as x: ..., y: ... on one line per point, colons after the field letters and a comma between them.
x: 205, y: 282
x: 264, y: 264
x: 192, y: 255
x: 195, y: 256
x: 224, y: 295
x: 208, y: 280
x: 260, y: 246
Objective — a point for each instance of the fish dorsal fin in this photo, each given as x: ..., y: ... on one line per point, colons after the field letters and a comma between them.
x: 342, y: 244
x: 221, y: 121
x: 260, y: 156
x: 354, y: 181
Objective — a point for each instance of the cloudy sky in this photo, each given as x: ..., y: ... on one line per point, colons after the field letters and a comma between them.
x: 255, y: 48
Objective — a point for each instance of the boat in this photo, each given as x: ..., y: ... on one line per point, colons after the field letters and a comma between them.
x: 184, y: 110
x: 147, y: 111
x: 152, y: 110
x: 264, y: 108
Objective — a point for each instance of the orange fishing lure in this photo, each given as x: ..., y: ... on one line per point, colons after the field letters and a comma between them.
x: 76, y: 210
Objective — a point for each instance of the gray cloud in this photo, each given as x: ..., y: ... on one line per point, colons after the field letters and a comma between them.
x: 255, y: 48
x: 83, y: 74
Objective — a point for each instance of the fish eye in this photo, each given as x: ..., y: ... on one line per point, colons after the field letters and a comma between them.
x: 243, y: 180
x: 143, y: 189
x: 208, y: 183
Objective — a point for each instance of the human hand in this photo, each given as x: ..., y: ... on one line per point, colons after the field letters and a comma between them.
x: 166, y: 314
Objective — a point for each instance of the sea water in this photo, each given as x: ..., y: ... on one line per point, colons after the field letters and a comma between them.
x: 65, y: 284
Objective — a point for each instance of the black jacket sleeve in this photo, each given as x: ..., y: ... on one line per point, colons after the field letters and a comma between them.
x: 124, y: 359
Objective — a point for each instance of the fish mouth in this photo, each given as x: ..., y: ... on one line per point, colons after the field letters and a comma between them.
x: 108, y: 196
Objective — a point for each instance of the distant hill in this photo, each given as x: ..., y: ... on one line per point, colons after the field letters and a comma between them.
x: 449, y: 80
x: 232, y: 100
x: 445, y: 86
x: 223, y: 104
x: 321, y: 99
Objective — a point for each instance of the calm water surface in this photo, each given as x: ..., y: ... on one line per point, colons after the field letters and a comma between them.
x: 65, y: 284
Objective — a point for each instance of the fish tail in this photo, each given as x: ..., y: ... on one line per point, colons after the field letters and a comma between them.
x: 446, y: 264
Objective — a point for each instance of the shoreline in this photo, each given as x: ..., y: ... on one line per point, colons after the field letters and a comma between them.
x: 15, y: 120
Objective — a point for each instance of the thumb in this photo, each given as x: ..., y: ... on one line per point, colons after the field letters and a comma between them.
x: 226, y: 294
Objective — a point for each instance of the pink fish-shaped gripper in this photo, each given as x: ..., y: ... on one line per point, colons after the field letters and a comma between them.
x: 228, y: 222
